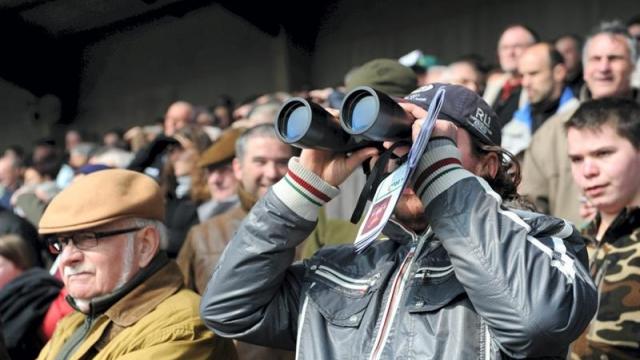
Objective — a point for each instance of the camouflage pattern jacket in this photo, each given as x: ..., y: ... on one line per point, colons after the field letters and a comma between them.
x: 614, y: 333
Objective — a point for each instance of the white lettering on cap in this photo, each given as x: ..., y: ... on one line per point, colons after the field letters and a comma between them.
x: 422, y: 88
x: 481, y: 116
x: 481, y: 121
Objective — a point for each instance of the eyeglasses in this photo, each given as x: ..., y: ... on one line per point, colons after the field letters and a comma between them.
x: 83, y: 240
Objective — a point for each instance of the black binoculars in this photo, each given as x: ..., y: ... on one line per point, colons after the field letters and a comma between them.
x: 367, y: 117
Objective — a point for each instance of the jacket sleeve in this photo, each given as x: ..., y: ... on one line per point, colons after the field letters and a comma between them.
x: 527, y: 279
x: 254, y: 293
x: 185, y: 259
x: 146, y: 156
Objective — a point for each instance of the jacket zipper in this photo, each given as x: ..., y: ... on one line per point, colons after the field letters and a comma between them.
x: 433, y: 271
x: 486, y: 339
x: 397, y: 290
x: 303, y: 314
x: 361, y: 285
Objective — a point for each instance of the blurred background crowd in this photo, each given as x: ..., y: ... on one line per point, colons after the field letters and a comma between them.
x: 193, y: 152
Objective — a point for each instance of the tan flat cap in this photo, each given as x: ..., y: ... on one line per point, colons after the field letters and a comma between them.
x: 100, y: 198
x: 222, y: 151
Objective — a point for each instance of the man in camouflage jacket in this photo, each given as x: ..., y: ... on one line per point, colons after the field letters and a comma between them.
x: 604, y: 149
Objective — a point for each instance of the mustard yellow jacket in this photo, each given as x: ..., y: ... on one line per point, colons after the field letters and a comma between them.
x: 158, y: 319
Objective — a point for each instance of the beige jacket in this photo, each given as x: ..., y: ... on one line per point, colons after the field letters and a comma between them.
x: 546, y: 170
x: 199, y: 256
x: 159, y: 319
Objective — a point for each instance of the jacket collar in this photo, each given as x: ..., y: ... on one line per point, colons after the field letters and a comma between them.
x: 585, y: 94
x: 624, y: 224
x: 145, y: 297
x: 100, y: 304
x: 397, y: 232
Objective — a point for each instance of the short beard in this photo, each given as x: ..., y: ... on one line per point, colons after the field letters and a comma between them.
x: 127, y: 262
x: 410, y: 212
x: 84, y: 305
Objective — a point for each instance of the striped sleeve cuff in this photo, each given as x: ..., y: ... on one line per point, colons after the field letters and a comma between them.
x: 439, y: 169
x: 304, y: 192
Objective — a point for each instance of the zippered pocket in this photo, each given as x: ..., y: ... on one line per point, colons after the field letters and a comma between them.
x: 433, y: 273
x: 360, y: 285
x: 434, y: 284
x: 342, y: 298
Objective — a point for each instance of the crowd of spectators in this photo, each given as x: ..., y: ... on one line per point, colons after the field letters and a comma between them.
x: 203, y: 169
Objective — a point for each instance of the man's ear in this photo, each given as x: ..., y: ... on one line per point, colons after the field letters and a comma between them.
x: 237, y: 169
x: 490, y: 165
x: 148, y: 245
x: 559, y: 72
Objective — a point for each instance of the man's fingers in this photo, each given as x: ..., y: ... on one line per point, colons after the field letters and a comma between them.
x: 445, y: 128
x: 359, y: 156
x: 332, y: 111
x: 413, y: 109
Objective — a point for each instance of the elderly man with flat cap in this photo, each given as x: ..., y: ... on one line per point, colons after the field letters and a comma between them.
x: 129, y: 298
x: 221, y: 181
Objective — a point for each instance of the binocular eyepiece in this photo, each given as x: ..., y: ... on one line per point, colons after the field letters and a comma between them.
x: 367, y: 117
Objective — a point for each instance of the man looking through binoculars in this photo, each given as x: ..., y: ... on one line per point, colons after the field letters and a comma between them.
x: 459, y: 276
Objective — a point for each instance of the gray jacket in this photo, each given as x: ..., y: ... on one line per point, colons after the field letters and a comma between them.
x: 483, y: 282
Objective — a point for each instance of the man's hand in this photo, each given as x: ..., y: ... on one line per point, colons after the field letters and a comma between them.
x: 587, y: 210
x: 334, y: 168
x: 441, y: 128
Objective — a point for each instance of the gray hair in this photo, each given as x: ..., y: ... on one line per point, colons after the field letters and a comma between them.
x: 612, y: 28
x: 263, y: 130
x: 264, y: 113
x: 156, y: 224
x: 84, y: 149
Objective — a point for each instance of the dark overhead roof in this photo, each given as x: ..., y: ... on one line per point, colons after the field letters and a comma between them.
x: 85, y: 19
x: 43, y: 39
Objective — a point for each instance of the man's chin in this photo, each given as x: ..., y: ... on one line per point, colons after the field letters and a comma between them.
x: 410, y: 212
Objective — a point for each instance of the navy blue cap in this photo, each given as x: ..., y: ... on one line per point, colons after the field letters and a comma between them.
x: 463, y: 107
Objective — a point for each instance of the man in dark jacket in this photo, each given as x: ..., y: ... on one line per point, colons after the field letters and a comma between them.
x: 26, y: 293
x: 460, y: 276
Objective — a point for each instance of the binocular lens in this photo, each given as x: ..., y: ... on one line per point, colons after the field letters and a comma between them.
x: 306, y: 124
x: 297, y: 123
x: 375, y: 116
x: 367, y: 117
x: 364, y: 113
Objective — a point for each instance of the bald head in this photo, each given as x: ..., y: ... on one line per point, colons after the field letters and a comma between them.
x: 543, y: 73
x: 513, y: 41
x: 179, y: 115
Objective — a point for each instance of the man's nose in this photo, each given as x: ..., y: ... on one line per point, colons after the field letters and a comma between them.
x: 589, y: 169
x: 214, y: 177
x: 70, y: 254
x: 604, y: 64
x: 271, y: 170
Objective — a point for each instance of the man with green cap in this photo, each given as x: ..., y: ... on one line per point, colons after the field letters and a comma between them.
x: 386, y: 75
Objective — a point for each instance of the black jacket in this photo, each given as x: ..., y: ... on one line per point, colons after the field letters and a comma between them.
x: 23, y: 304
